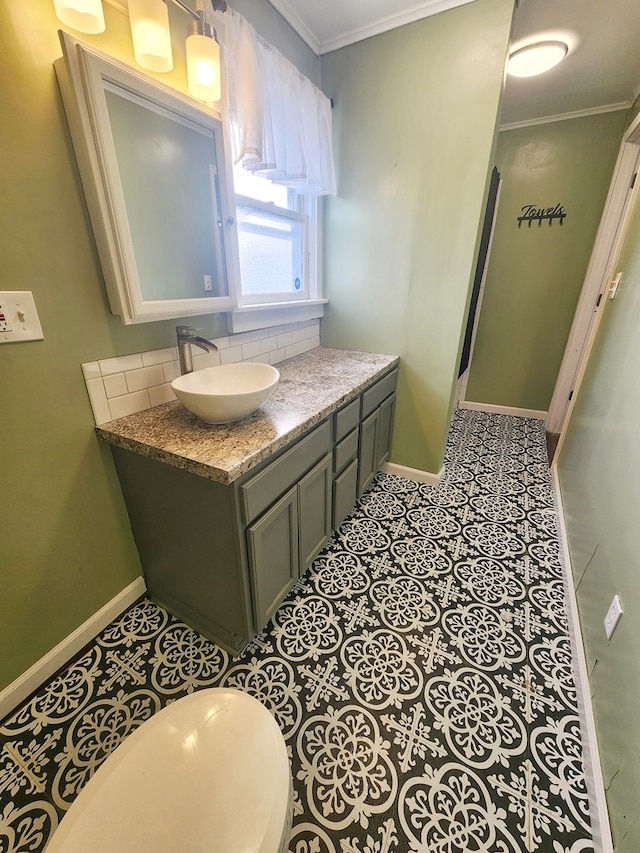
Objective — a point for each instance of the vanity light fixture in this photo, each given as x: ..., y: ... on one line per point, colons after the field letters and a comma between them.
x: 151, y: 36
x: 86, y: 16
x: 203, y: 60
x: 536, y: 58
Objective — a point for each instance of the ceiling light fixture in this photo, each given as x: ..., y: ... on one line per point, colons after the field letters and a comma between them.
x: 536, y: 58
x: 149, y: 21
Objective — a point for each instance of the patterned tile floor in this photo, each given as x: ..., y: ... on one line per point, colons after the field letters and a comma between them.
x: 420, y: 672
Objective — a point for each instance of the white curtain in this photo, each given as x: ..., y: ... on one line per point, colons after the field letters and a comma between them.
x: 279, y: 122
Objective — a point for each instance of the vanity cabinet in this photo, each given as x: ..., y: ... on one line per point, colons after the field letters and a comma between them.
x: 223, y: 557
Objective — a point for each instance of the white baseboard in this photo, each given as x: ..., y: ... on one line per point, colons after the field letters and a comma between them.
x: 600, y: 827
x: 502, y: 410
x: 16, y: 692
x: 414, y: 474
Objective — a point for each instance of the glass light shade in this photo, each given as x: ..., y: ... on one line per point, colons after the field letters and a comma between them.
x: 536, y: 58
x: 86, y: 16
x: 203, y: 68
x: 149, y: 20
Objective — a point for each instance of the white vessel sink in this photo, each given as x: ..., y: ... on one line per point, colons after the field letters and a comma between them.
x: 227, y: 393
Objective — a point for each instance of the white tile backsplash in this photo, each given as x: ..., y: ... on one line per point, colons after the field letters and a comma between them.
x: 268, y: 345
x: 129, y: 404
x: 131, y: 383
x: 120, y: 364
x: 232, y: 355
x: 161, y: 394
x: 98, y: 400
x: 146, y: 377
x: 170, y: 370
x: 115, y: 385
x: 298, y: 335
x: 91, y: 370
x: 159, y: 356
x: 204, y: 359
x: 250, y: 350
x: 284, y: 340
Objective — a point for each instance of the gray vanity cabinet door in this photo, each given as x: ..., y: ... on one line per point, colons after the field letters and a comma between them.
x: 385, y: 423
x: 367, y: 455
x: 314, y: 510
x: 375, y: 442
x: 272, y: 544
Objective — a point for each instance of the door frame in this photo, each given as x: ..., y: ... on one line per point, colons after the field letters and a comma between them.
x: 594, y: 295
x: 461, y: 386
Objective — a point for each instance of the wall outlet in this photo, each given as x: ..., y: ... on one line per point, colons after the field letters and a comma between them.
x: 613, y: 616
x: 207, y: 283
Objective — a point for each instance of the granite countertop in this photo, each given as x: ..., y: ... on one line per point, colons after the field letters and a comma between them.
x: 311, y: 387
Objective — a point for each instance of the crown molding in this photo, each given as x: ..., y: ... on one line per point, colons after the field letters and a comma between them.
x: 390, y: 22
x: 297, y: 24
x: 607, y: 108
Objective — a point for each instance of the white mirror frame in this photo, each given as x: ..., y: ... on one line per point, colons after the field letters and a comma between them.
x: 82, y: 74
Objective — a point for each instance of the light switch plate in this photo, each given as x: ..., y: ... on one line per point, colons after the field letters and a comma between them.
x: 19, y: 319
x: 615, y: 284
x: 613, y: 616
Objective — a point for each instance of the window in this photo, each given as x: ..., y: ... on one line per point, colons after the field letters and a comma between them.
x: 277, y: 241
x: 271, y: 240
x: 279, y: 124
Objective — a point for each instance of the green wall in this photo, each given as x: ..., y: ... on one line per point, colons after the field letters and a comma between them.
x: 599, y: 473
x: 535, y: 274
x: 414, y: 121
x: 67, y: 546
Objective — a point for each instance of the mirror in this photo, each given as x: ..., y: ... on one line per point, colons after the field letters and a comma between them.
x: 152, y: 164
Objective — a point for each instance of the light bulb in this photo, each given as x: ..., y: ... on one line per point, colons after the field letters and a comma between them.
x: 86, y: 16
x: 536, y: 58
x: 203, y: 67
x: 149, y: 20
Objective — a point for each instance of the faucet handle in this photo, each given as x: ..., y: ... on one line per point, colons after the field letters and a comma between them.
x: 186, y: 330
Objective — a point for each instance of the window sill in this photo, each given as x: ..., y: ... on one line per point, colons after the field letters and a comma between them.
x: 247, y: 318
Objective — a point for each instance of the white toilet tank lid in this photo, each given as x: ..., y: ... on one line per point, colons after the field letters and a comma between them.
x: 209, y: 772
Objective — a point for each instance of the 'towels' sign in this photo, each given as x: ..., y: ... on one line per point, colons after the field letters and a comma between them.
x: 531, y: 213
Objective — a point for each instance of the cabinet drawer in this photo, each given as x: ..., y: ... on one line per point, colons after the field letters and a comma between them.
x: 372, y: 398
x: 263, y: 489
x: 347, y: 418
x: 345, y: 451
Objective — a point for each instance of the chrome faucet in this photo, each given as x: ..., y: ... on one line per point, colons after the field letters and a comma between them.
x: 186, y: 337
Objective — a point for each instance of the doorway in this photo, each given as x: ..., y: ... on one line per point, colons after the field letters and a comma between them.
x: 599, y: 282
x: 536, y: 272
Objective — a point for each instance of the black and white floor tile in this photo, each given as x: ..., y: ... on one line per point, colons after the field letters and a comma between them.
x: 420, y: 672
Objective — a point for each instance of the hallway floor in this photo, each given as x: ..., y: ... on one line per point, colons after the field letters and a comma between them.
x: 420, y: 672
